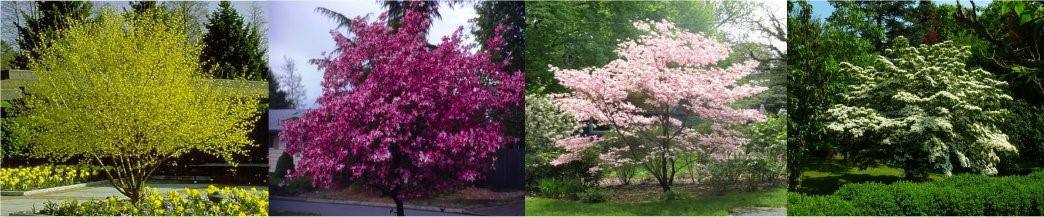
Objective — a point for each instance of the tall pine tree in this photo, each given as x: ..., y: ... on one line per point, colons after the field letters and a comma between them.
x: 232, y: 49
x: 51, y: 17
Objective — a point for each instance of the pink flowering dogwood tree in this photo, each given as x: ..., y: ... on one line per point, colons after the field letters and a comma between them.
x: 402, y: 116
x: 647, y: 96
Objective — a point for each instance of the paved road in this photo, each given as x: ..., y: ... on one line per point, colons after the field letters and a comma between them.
x: 277, y: 206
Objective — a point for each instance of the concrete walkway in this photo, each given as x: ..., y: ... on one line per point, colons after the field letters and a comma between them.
x: 12, y: 204
x: 760, y: 211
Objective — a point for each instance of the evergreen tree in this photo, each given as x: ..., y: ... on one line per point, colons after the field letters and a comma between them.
x: 51, y: 17
x: 232, y: 48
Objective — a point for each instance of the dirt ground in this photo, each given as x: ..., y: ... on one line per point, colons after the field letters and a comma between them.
x: 464, y: 198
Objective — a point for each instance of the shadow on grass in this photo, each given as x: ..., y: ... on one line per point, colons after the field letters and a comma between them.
x: 826, y: 185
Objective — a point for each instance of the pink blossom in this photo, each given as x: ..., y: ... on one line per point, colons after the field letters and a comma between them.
x: 408, y: 119
x: 658, y: 75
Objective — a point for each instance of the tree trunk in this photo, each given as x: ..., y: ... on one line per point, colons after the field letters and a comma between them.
x: 134, y: 195
x: 794, y: 164
x: 398, y: 206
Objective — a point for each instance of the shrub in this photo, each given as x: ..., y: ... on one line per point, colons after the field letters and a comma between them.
x: 870, y: 198
x: 283, y: 166
x: 560, y: 188
x: 801, y: 205
x: 126, y: 93
x: 593, y: 195
x: 46, y: 176
x: 963, y: 195
x: 298, y: 185
x: 212, y: 201
x: 915, y: 199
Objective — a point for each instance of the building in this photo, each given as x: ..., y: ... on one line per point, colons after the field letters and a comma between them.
x: 275, y: 146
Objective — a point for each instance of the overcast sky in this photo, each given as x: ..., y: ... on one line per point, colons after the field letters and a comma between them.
x: 11, y: 7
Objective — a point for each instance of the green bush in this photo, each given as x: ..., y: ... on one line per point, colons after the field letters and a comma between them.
x: 915, y: 199
x: 212, y: 201
x: 298, y: 185
x: 801, y: 205
x: 963, y: 195
x: 283, y: 166
x: 870, y: 198
x: 593, y: 195
x: 560, y: 188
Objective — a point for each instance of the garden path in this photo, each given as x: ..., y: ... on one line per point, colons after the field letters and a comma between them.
x: 760, y: 211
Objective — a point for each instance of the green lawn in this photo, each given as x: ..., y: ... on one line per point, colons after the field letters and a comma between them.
x: 703, y: 206
x: 823, y: 177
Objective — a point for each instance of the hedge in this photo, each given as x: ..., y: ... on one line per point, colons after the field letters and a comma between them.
x: 962, y: 195
x: 214, y: 201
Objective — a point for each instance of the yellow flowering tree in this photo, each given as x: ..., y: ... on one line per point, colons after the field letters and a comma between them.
x: 127, y: 93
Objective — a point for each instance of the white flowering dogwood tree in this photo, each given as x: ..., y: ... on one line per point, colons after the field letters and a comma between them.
x: 923, y: 111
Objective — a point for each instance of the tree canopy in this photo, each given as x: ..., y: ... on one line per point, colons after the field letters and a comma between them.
x: 126, y: 93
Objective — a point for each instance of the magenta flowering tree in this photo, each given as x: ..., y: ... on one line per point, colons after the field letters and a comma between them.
x: 402, y: 116
x: 649, y: 97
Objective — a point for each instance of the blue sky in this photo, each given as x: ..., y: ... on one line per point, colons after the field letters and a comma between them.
x: 298, y: 32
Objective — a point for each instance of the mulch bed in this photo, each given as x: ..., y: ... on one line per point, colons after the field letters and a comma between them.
x: 464, y: 198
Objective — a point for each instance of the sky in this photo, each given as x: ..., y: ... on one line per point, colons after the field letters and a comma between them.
x: 297, y: 32
x: 9, y: 35
x: 822, y: 9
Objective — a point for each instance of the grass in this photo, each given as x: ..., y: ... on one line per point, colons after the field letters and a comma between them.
x: 711, y: 205
x: 824, y: 176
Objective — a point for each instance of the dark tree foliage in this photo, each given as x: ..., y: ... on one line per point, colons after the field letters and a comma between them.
x: 139, y: 7
x: 51, y: 17
x: 815, y: 50
x: 397, y: 8
x: 277, y: 98
x: 231, y: 48
x: 876, y: 21
x: 510, y: 14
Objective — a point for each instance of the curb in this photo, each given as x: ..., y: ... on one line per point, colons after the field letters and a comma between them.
x: 363, y: 203
x: 49, y: 190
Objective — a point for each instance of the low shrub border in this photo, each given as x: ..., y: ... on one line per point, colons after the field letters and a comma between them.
x: 45, y: 176
x: 962, y: 195
x: 225, y: 201
x: 52, y: 189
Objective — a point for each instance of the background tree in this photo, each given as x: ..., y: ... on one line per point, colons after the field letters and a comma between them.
x: 232, y: 48
x: 659, y: 75
x: 876, y: 21
x: 512, y: 14
x: 291, y: 81
x: 545, y: 124
x: 922, y: 110
x: 7, y: 55
x: 814, y: 52
x: 50, y: 17
x: 401, y: 116
x: 195, y: 16
x: 147, y: 100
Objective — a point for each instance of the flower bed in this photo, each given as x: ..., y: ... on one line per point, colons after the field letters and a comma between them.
x: 225, y: 201
x: 46, y: 176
